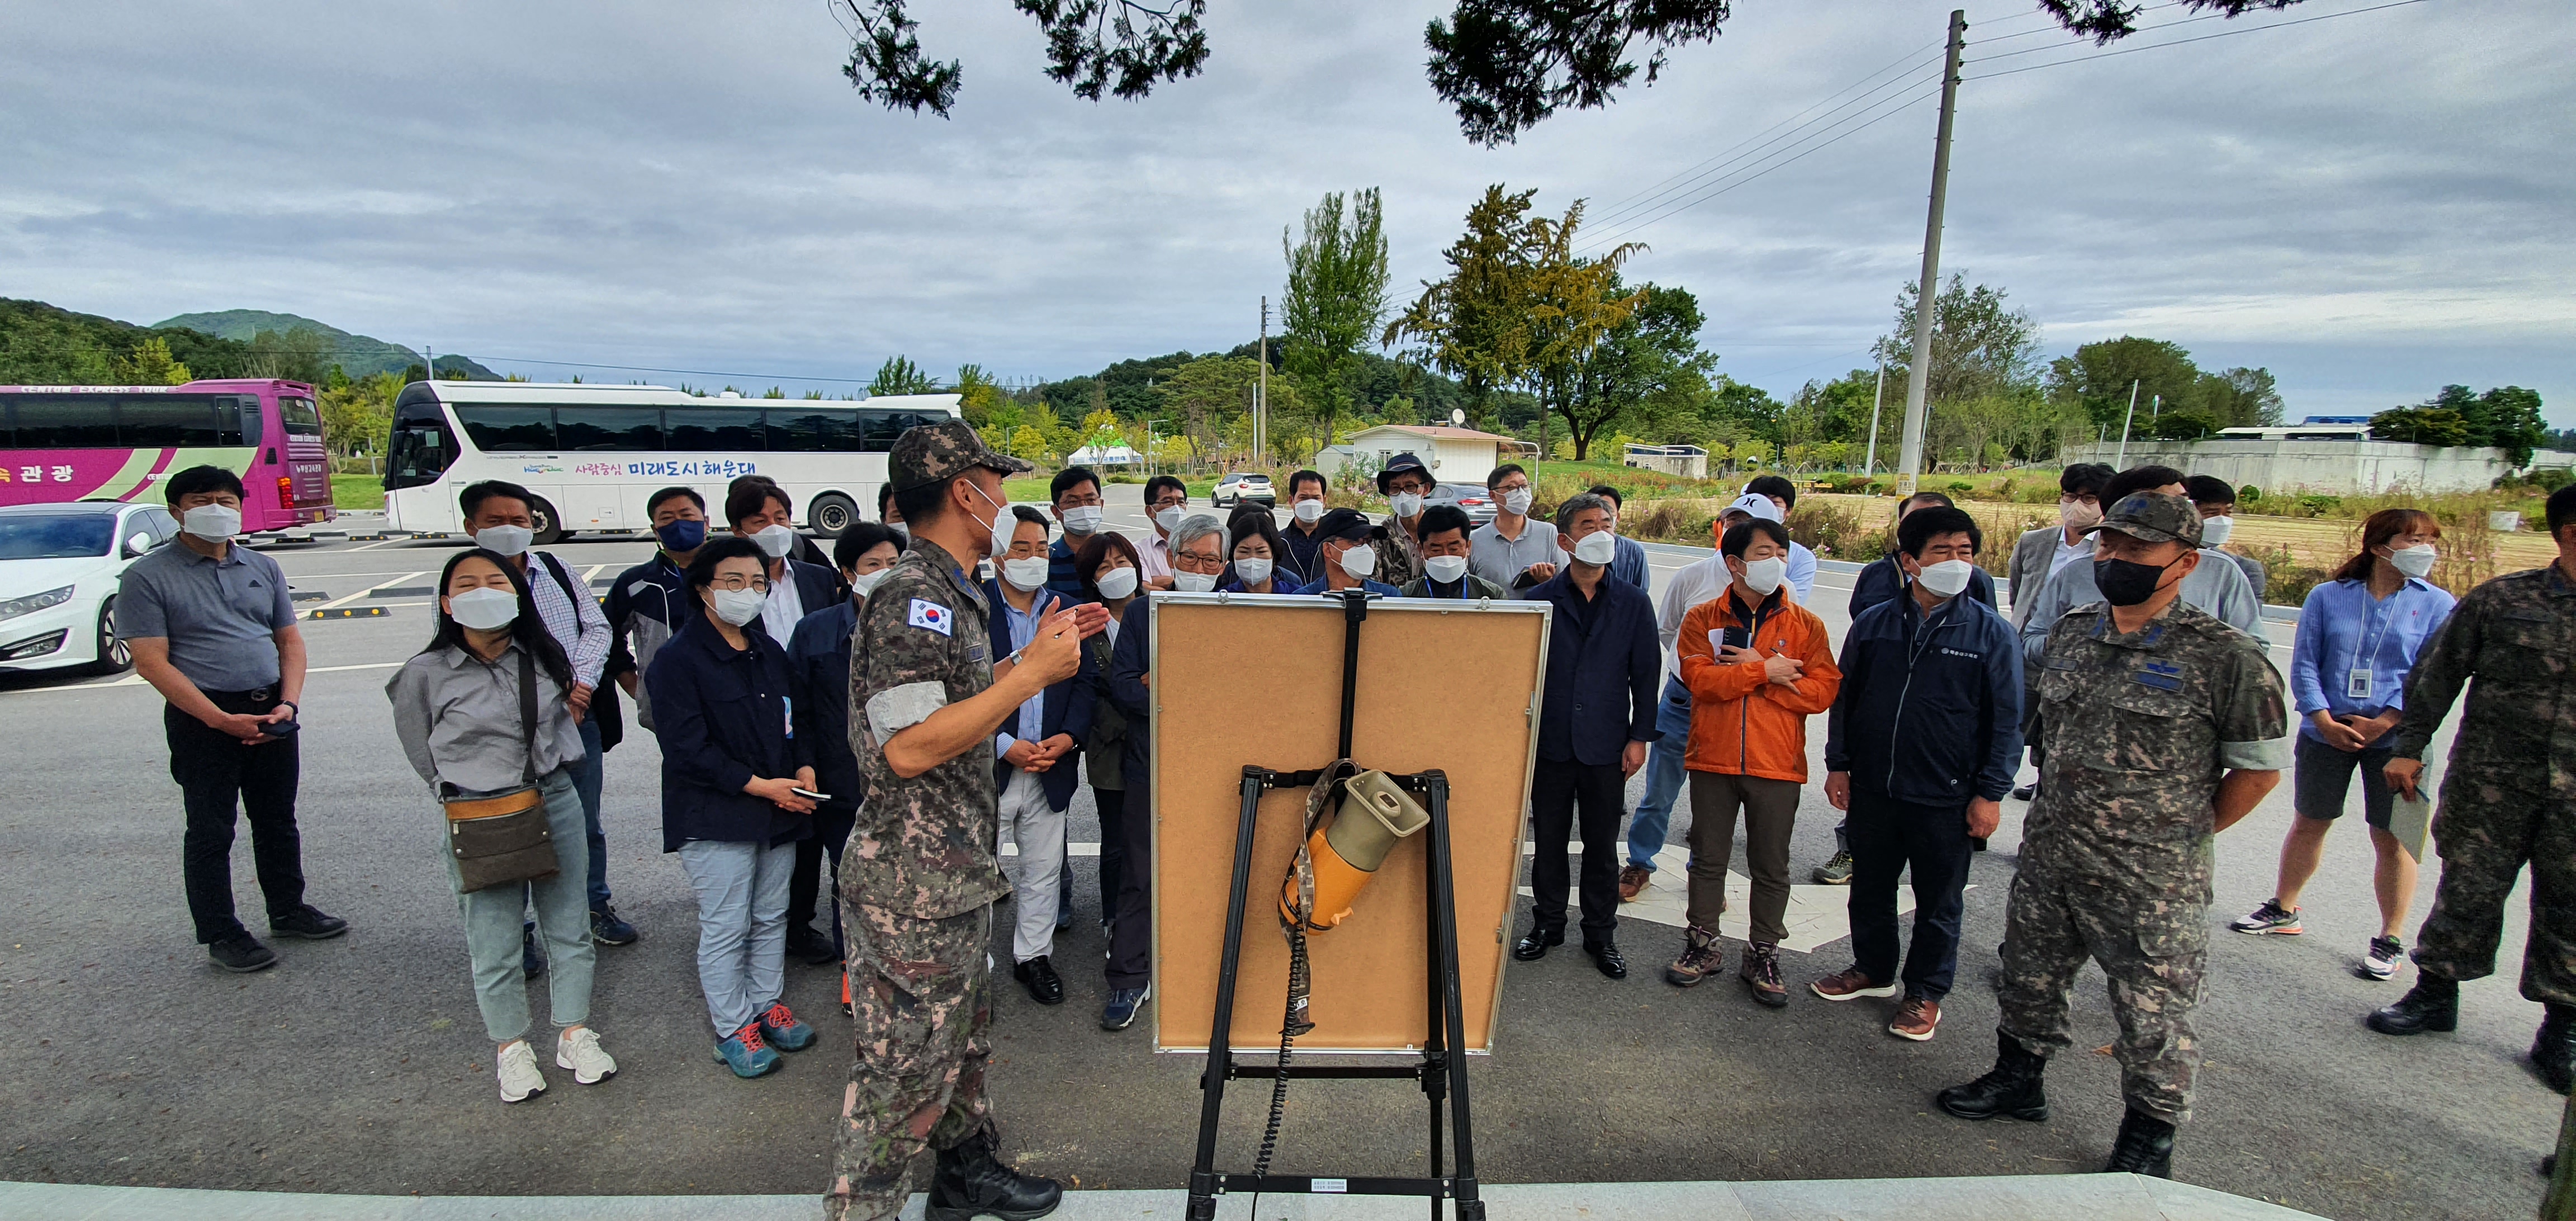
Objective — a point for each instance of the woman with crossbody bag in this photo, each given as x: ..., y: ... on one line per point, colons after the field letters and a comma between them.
x: 481, y: 714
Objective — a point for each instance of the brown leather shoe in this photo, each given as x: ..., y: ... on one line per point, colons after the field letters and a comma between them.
x: 1852, y: 983
x: 1632, y: 882
x: 1916, y: 1019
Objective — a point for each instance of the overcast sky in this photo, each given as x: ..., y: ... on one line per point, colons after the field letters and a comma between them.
x: 2371, y: 206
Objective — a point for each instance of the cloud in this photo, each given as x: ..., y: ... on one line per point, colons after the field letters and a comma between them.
x: 695, y: 186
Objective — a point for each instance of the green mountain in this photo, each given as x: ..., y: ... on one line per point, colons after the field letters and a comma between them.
x: 357, y: 355
x: 44, y: 345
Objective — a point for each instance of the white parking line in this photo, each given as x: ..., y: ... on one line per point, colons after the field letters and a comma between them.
x: 364, y: 592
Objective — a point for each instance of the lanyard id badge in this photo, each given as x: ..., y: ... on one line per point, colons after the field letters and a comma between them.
x: 2356, y: 683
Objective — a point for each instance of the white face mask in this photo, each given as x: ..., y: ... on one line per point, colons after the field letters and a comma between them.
x: 774, y: 540
x: 1003, y: 525
x: 1168, y: 519
x: 1082, y: 519
x: 507, y: 540
x: 1947, y: 578
x: 1406, y: 504
x: 1115, y: 583
x: 2214, y: 530
x: 1025, y: 574
x: 1192, y: 582
x: 1358, y: 562
x: 1309, y: 511
x: 738, y: 606
x: 213, y: 523
x: 1516, y: 501
x: 2415, y: 561
x: 1252, y: 572
x: 867, y: 581
x: 485, y: 609
x: 1597, y: 548
x: 1764, y: 575
x: 903, y: 529
x: 1446, y: 569
x: 2078, y: 514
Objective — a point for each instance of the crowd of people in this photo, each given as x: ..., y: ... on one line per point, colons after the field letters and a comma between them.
x: 887, y: 712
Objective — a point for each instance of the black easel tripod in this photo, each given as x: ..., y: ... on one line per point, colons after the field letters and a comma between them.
x: 1442, y: 1071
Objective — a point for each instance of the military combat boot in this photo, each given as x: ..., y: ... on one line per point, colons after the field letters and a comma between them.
x: 2432, y: 1004
x: 2553, y: 1050
x: 970, y: 1182
x: 2012, y: 1087
x: 2145, y: 1146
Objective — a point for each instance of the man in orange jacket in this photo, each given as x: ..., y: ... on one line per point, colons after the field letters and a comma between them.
x: 1757, y: 665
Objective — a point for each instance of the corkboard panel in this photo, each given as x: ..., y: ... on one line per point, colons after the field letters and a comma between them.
x: 1258, y: 681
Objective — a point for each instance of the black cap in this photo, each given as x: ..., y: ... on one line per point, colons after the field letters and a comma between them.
x: 1345, y: 524
x: 1398, y: 465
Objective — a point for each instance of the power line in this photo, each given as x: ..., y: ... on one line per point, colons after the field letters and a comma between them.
x: 2202, y: 38
x: 1885, y: 112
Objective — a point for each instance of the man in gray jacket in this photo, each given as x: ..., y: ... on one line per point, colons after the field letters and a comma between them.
x: 2216, y: 586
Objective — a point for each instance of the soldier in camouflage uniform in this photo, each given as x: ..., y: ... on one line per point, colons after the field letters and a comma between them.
x: 919, y: 878
x: 2164, y: 726
x: 2510, y: 797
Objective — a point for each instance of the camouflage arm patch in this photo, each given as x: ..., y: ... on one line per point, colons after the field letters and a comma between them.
x: 2271, y: 755
x: 892, y: 711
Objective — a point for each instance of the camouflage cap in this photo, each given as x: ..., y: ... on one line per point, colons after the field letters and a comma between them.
x: 930, y: 453
x: 2155, y: 518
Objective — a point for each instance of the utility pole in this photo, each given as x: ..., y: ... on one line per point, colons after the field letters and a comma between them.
x: 1928, y: 289
x: 2121, y: 463
x: 1871, y: 467
x: 1261, y: 402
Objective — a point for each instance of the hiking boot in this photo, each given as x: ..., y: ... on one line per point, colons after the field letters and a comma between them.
x: 1701, y: 957
x: 2553, y: 1050
x: 969, y: 1182
x: 607, y: 928
x: 1039, y: 977
x: 1850, y: 984
x: 1632, y: 882
x: 517, y: 1070
x: 1760, y: 972
x: 1120, y: 1011
x: 307, y: 923
x: 1916, y: 1019
x: 2145, y: 1146
x: 1605, y: 955
x: 812, y: 948
x: 781, y: 1029
x: 2383, y: 959
x: 2432, y: 1004
x: 1834, y: 872
x: 241, y: 953
x: 2271, y: 920
x: 2012, y: 1087
x: 746, y: 1053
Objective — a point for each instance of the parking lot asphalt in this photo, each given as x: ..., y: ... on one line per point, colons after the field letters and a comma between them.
x: 359, y: 1065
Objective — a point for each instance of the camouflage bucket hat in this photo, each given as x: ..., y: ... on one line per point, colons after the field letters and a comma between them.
x: 2155, y: 518
x: 930, y: 453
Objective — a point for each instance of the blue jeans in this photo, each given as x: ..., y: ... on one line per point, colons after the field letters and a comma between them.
x: 586, y: 775
x: 1888, y: 837
x: 742, y: 925
x: 493, y: 931
x: 1654, y: 817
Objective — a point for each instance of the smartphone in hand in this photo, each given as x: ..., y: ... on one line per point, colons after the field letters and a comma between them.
x: 811, y: 795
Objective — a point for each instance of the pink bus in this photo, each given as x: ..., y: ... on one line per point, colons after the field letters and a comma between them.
x: 62, y: 443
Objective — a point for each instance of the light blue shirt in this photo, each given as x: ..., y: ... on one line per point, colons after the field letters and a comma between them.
x: 2343, y: 629
x: 1023, y: 627
x: 1802, y: 572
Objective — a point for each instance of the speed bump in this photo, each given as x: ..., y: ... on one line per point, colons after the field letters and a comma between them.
x: 348, y: 612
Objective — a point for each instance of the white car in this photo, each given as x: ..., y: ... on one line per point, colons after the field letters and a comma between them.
x: 59, y: 568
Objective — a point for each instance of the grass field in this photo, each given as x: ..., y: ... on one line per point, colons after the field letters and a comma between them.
x: 358, y: 491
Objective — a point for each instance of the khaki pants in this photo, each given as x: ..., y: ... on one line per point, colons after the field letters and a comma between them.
x: 1770, y: 811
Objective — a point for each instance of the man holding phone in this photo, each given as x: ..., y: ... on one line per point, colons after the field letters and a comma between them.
x: 213, y: 630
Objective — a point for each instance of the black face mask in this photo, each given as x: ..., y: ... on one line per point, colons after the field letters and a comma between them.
x: 2128, y: 582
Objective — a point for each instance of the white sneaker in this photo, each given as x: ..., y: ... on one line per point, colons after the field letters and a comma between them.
x: 519, y: 1075
x: 578, y: 1049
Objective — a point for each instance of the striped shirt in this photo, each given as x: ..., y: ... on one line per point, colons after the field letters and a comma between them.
x: 576, y: 623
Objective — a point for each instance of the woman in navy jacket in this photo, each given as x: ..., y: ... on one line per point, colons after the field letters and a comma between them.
x: 732, y: 762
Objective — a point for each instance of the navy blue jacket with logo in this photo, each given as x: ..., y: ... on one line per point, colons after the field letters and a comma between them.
x: 723, y: 717
x: 1930, y: 710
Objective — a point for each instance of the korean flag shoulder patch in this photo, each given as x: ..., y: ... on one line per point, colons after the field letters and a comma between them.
x: 931, y: 615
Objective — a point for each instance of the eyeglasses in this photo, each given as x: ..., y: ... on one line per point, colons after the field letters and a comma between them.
x: 1198, y: 562
x: 732, y: 581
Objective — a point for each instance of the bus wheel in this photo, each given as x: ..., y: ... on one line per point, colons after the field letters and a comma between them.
x: 547, y: 523
x: 830, y: 514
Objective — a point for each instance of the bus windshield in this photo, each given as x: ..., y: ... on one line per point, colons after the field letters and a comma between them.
x: 298, y: 416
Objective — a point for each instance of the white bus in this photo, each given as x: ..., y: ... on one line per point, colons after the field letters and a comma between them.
x: 591, y: 454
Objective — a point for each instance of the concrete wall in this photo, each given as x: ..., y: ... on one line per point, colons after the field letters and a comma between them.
x: 1694, y: 466
x: 2316, y: 466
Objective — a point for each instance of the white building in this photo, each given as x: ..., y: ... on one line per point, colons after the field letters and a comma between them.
x: 1686, y: 461
x: 1110, y: 457
x: 1455, y: 455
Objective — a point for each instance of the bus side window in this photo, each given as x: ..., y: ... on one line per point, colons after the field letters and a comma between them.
x: 250, y: 420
